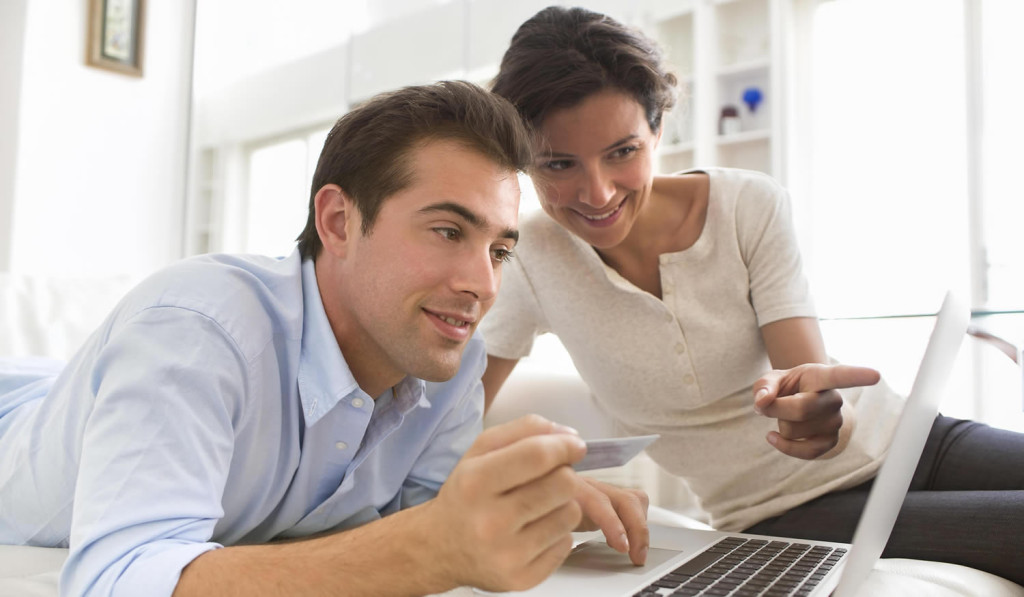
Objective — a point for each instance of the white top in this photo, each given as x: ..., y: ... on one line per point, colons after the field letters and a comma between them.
x: 684, y: 365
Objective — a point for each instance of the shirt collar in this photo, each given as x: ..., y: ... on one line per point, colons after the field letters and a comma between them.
x: 324, y: 375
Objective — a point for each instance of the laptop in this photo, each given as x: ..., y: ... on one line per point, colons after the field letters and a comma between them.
x: 684, y: 561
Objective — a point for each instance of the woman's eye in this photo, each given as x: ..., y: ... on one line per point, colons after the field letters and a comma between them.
x: 624, y: 151
x: 448, y: 233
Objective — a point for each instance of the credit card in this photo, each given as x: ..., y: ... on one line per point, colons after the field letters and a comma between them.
x: 611, y: 452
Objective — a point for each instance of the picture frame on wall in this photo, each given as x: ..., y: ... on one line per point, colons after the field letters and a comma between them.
x: 115, y: 35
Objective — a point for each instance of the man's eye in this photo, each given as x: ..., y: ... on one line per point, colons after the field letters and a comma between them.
x: 557, y: 165
x: 448, y: 233
x: 502, y: 255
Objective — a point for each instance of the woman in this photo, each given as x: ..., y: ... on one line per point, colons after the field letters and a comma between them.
x: 683, y: 304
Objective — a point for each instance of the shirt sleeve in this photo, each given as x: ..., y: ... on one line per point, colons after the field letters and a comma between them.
x: 456, y: 433
x: 167, y: 390
x: 767, y: 238
x: 515, y: 319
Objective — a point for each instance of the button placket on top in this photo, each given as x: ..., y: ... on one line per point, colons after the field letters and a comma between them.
x: 669, y: 295
x: 382, y: 422
x: 356, y: 403
x: 330, y: 446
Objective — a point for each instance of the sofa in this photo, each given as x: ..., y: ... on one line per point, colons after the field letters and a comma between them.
x: 51, y: 317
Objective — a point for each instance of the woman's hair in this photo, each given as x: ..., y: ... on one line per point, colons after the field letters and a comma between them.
x: 560, y: 56
x: 367, y: 153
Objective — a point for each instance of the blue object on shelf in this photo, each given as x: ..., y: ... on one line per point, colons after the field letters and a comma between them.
x: 752, y: 96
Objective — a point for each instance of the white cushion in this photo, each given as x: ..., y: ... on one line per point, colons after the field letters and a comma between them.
x: 48, y: 316
x: 896, y: 576
x: 30, y: 571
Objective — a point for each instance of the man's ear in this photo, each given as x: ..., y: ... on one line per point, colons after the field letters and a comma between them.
x: 337, y: 219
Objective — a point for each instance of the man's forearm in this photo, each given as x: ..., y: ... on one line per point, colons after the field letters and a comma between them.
x: 397, y: 555
x: 500, y: 522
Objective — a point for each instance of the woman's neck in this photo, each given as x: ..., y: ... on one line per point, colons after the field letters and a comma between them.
x: 672, y: 220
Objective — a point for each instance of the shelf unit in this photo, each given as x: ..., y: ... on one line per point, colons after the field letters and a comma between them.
x: 719, y: 49
x: 204, y: 221
x: 675, y: 34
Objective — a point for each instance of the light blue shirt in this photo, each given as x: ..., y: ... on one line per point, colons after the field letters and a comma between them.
x: 213, y: 407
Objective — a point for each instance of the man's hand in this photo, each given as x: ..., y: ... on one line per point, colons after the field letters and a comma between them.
x: 504, y: 517
x: 805, y: 401
x: 620, y: 513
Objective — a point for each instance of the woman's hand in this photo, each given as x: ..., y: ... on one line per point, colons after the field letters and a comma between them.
x: 805, y: 401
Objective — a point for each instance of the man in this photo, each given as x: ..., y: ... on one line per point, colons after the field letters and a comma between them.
x: 240, y: 401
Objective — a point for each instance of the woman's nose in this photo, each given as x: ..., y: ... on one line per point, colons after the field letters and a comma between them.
x: 598, y: 189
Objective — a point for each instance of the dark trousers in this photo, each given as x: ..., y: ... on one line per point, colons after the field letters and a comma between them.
x: 965, y: 505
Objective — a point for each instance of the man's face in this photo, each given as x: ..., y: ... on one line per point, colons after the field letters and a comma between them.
x: 416, y: 286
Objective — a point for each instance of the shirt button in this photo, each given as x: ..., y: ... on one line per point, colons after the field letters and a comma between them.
x: 357, y: 402
x: 341, y: 445
x: 680, y: 349
x: 688, y: 379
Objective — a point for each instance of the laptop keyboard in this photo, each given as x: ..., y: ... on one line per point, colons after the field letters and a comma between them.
x: 749, y: 567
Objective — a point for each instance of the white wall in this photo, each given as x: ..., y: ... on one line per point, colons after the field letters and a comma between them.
x: 404, y: 42
x: 305, y: 92
x: 99, y: 167
x: 12, y: 25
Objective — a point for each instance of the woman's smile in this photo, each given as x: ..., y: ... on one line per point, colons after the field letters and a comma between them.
x: 605, y: 218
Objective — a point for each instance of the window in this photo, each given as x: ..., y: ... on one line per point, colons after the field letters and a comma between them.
x: 888, y: 178
x: 912, y: 104
x: 279, y: 176
x: 999, y: 125
x: 1002, y: 131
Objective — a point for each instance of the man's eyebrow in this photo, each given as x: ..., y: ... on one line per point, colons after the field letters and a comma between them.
x: 468, y: 215
x: 555, y: 154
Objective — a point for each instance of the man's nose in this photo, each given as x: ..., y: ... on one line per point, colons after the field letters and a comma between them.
x: 477, y: 276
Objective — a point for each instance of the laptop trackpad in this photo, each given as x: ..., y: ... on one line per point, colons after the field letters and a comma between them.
x: 596, y: 555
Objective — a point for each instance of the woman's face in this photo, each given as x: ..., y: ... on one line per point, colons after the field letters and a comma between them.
x: 595, y: 166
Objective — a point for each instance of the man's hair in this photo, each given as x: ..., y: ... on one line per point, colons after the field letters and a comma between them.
x: 561, y: 56
x: 368, y: 151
